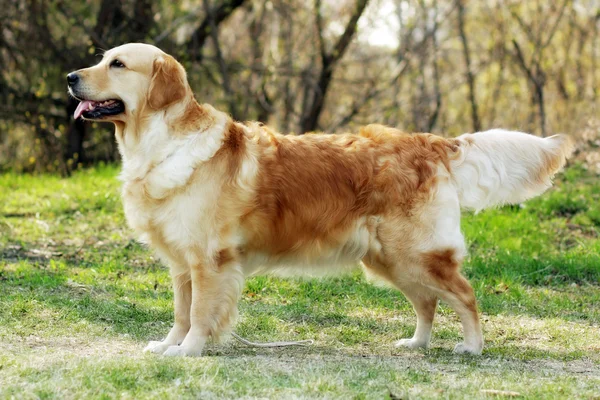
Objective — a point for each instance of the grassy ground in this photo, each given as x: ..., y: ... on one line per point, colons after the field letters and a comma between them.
x: 79, y: 299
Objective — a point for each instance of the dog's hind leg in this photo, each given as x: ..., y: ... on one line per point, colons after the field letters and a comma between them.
x: 438, y: 276
x: 421, y: 255
x: 425, y: 303
x: 443, y: 277
x: 423, y: 300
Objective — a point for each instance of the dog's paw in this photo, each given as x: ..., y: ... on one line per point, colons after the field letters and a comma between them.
x: 463, y: 348
x: 156, y: 347
x: 181, y: 351
x: 411, y: 343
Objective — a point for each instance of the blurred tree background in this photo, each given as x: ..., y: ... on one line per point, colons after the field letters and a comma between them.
x: 443, y: 66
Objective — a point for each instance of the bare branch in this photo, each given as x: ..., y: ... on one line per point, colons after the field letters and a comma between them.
x: 221, y: 13
x: 319, y: 24
x: 342, y: 44
x: 373, y: 93
x: 176, y: 24
x: 553, y: 29
x: 522, y: 63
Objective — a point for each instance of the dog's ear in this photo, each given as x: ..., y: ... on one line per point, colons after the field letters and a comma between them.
x: 169, y: 83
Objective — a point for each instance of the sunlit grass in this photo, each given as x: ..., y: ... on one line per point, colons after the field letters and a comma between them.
x: 79, y: 298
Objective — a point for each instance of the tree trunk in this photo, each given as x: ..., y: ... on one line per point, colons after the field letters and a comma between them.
x: 310, y: 115
x: 310, y: 120
x: 539, y: 89
x: 469, y: 72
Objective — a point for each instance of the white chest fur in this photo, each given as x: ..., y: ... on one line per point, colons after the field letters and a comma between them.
x: 165, y: 195
x: 182, y: 224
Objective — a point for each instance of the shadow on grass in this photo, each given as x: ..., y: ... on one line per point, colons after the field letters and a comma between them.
x: 86, y: 255
x: 308, y: 304
x: 434, y: 355
x: 125, y: 315
x: 321, y: 303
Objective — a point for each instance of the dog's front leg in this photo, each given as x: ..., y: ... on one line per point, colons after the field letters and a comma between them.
x: 182, y: 294
x: 216, y: 287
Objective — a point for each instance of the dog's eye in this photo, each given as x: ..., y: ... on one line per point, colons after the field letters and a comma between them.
x: 116, y: 64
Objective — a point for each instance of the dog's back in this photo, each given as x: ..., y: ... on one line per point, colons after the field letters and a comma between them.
x: 321, y: 196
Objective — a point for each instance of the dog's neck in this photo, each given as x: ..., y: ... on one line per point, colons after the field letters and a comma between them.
x: 185, y: 132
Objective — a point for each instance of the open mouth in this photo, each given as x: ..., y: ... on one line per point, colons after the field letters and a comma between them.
x: 97, y: 109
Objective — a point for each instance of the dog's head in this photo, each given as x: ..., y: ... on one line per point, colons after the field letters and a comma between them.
x: 131, y: 79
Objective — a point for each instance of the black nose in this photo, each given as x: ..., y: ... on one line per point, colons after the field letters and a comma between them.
x: 72, y: 79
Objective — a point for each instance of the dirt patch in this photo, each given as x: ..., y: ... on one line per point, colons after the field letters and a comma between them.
x: 41, y: 351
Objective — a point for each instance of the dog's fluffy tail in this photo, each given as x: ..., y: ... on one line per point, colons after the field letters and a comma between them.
x: 502, y: 167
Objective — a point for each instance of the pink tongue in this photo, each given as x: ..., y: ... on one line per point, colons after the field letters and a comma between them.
x: 81, y: 107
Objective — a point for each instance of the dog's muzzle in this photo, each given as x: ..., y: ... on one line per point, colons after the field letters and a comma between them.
x: 72, y: 79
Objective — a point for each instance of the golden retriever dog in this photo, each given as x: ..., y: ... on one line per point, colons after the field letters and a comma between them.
x: 219, y: 200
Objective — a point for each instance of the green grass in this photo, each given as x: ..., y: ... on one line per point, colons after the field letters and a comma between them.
x: 79, y: 299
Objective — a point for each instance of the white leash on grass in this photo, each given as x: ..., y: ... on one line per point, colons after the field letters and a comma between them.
x: 306, y: 342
